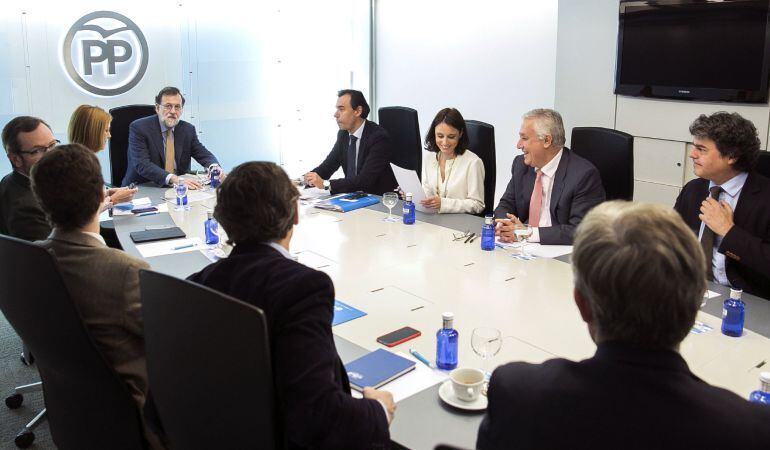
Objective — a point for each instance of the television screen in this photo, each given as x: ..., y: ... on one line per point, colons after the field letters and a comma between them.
x: 690, y: 49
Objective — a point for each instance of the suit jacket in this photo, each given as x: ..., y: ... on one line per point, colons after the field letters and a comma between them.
x: 20, y: 213
x: 622, y: 397
x: 577, y: 187
x: 747, y: 245
x: 104, y: 286
x: 147, y: 153
x: 311, y: 385
x: 373, y: 172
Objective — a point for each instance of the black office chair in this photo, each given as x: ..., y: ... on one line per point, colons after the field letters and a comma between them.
x: 763, y: 164
x: 204, y: 396
x: 122, y: 117
x: 87, y: 405
x: 404, y: 129
x: 612, y: 152
x: 481, y: 138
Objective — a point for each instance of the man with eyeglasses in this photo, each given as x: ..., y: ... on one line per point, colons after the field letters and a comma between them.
x: 25, y: 139
x: 160, y: 147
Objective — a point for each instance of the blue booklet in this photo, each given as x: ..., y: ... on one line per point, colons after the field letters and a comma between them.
x: 348, y: 202
x: 377, y: 368
x: 345, y: 313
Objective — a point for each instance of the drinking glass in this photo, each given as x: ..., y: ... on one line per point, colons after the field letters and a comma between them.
x: 203, y: 177
x: 486, y: 342
x: 522, y: 232
x: 390, y: 199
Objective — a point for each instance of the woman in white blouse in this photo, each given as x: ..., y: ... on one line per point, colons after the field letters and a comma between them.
x: 452, y: 177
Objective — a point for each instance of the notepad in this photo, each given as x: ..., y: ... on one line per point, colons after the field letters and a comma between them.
x: 348, y: 202
x: 376, y: 369
x: 345, y: 313
x: 156, y: 235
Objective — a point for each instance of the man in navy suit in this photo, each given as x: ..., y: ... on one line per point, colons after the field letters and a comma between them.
x: 639, y: 281
x: 551, y: 188
x: 362, y: 150
x: 728, y: 206
x: 160, y: 147
x: 257, y: 207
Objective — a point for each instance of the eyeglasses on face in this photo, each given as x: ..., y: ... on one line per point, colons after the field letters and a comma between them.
x: 40, y: 149
x: 169, y: 107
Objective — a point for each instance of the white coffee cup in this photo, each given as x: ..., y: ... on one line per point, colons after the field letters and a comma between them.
x: 467, y: 383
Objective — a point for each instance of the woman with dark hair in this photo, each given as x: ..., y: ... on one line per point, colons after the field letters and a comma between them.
x: 453, y: 179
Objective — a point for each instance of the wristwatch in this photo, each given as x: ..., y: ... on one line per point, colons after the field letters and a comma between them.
x: 327, y: 185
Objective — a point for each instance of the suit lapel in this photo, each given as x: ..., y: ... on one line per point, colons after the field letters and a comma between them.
x: 558, y: 181
x: 747, y: 199
x: 362, y: 148
x: 160, y: 146
x: 528, y: 185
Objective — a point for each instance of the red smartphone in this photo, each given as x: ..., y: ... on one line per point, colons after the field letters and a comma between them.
x: 399, y: 336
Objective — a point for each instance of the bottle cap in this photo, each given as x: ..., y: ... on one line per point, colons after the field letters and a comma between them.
x: 764, y: 377
x: 489, y: 220
x: 210, y: 214
x: 448, y: 316
x: 409, y: 196
x: 736, y: 293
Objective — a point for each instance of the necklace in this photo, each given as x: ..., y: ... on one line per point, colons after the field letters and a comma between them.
x: 438, y: 176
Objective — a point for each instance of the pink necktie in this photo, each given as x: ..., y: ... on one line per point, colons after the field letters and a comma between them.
x: 536, y: 201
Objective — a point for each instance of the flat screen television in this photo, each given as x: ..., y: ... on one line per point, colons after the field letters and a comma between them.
x: 694, y: 50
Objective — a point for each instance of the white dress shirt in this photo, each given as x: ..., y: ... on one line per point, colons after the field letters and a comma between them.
x: 549, y: 171
x: 462, y: 189
x: 731, y: 191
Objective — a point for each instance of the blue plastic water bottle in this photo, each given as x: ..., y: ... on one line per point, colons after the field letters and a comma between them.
x: 446, y: 343
x: 488, y: 233
x: 211, y: 227
x: 216, y: 174
x: 408, y: 209
x: 733, y: 314
x: 762, y: 395
x: 181, y: 193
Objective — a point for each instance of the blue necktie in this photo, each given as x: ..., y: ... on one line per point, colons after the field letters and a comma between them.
x: 352, y: 156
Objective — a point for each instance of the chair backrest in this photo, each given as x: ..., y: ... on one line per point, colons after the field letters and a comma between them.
x: 481, y: 140
x: 763, y: 164
x: 88, y: 405
x: 404, y: 129
x: 208, y: 362
x: 122, y: 117
x: 612, y: 152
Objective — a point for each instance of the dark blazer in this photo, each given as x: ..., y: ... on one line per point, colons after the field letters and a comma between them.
x: 577, y: 187
x: 311, y: 385
x: 20, y: 213
x: 620, y: 398
x: 147, y: 153
x: 373, y: 172
x: 747, y: 245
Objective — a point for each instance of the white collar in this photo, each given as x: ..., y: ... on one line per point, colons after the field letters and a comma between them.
x: 280, y: 249
x: 550, y: 169
x: 359, y: 131
x: 734, y: 185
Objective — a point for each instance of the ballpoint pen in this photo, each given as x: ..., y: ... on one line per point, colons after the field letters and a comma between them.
x: 420, y: 358
x: 183, y: 247
x: 470, y: 237
x: 146, y: 214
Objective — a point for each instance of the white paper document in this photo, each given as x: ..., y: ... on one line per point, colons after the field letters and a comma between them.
x: 417, y: 380
x: 537, y: 249
x: 170, y: 247
x: 409, y: 182
x: 312, y: 193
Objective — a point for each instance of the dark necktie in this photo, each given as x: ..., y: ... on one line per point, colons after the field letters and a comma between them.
x: 707, y: 239
x: 352, y: 156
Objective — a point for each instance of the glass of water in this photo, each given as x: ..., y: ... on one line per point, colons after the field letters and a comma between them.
x: 522, y: 232
x: 390, y: 199
x: 486, y: 342
x: 203, y: 177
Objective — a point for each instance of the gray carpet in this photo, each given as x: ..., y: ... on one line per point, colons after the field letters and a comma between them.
x: 13, y: 373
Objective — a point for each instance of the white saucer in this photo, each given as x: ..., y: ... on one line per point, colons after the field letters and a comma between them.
x: 447, y: 394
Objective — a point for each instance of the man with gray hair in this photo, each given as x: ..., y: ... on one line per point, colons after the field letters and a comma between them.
x: 639, y: 279
x: 551, y: 188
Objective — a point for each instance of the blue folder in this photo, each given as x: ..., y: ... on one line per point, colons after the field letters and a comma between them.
x: 348, y: 202
x: 345, y: 313
x: 376, y: 369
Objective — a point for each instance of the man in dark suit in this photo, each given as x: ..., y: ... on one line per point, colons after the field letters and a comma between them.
x: 728, y: 206
x: 160, y: 148
x: 362, y: 150
x: 257, y: 207
x: 551, y: 188
x: 25, y: 139
x: 639, y: 280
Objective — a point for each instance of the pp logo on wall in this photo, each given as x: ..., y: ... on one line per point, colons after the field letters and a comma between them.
x: 105, y: 53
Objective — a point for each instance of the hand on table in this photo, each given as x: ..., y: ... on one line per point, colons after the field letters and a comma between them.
x: 313, y: 179
x: 189, y: 182
x: 504, y: 228
x: 383, y: 396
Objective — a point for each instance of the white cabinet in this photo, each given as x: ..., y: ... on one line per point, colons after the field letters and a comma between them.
x: 664, y: 194
x: 659, y: 161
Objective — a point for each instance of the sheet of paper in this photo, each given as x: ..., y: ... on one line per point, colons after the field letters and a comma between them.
x: 712, y: 294
x: 312, y: 193
x: 537, y: 249
x: 171, y: 247
x: 142, y: 201
x: 417, y: 380
x: 197, y: 196
x: 409, y: 182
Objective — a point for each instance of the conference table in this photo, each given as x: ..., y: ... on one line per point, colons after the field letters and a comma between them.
x: 407, y: 275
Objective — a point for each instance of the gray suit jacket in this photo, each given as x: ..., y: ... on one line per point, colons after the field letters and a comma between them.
x: 104, y: 286
x: 577, y: 187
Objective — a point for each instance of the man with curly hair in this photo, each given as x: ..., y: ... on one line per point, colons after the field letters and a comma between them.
x: 728, y: 207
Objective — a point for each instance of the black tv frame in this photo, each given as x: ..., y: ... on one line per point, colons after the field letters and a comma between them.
x: 688, y: 92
